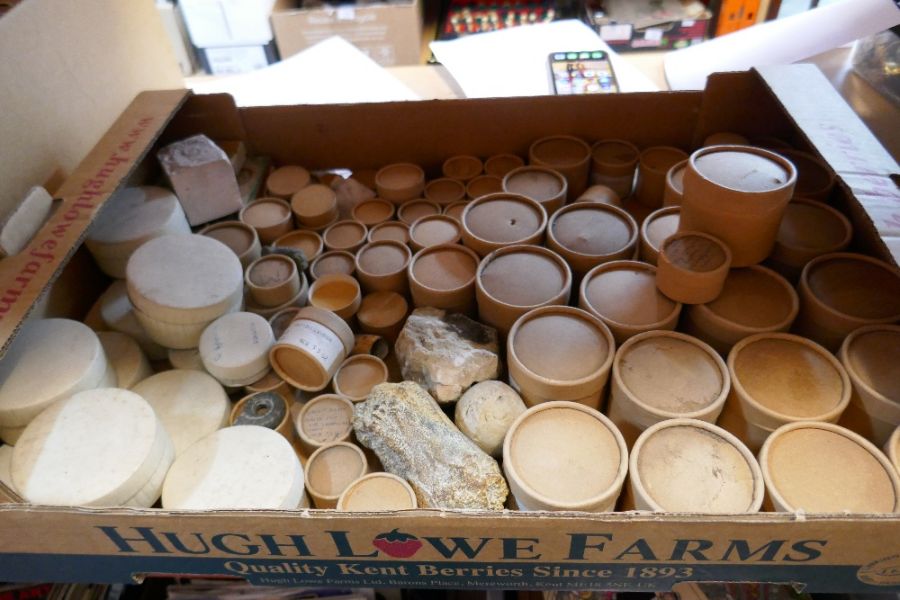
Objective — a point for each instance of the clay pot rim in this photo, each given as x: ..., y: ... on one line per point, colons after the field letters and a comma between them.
x: 618, y: 142
x: 269, y: 258
x: 759, y: 486
x: 684, y: 233
x: 614, y: 488
x: 308, y: 233
x: 385, y: 225
x: 520, y: 248
x: 531, y: 202
x: 855, y: 379
x: 459, y: 183
x: 560, y: 178
x: 833, y: 248
x: 235, y: 225
x: 384, y: 171
x: 602, y: 371
x: 379, y: 475
x: 619, y: 212
x: 624, y: 264
x: 267, y: 200
x: 400, y: 209
x: 836, y: 429
x: 804, y: 286
x: 541, y: 161
x: 825, y: 169
x: 714, y: 406
x: 332, y: 277
x: 751, y: 195
x: 438, y: 217
x: 240, y: 404
x: 783, y: 325
x: 298, y: 422
x: 458, y: 158
x: 329, y: 254
x: 370, y: 358
x: 831, y: 414
x: 411, y: 269
x: 342, y: 223
x: 403, y: 248
x: 375, y: 200
x: 315, y: 455
x: 656, y: 214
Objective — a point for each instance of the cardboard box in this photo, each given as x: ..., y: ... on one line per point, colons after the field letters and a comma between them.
x: 390, y: 33
x: 509, y: 550
x: 623, y: 35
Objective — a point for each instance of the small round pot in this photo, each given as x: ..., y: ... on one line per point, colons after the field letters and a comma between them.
x: 389, y: 230
x: 273, y: 280
x: 613, y: 164
x: 373, y: 211
x: 340, y: 294
x: 870, y: 355
x: 600, y: 194
x: 655, y: 229
x: 444, y: 277
x: 808, y: 230
x: 400, y: 182
x: 383, y: 314
x: 587, y: 235
x: 324, y: 420
x: 674, y: 193
x: 483, y: 185
x: 692, y: 267
x: 345, y: 235
x: 357, y: 375
x: 542, y: 184
x: 333, y: 262
x: 499, y: 165
x: 815, y: 179
x: 308, y: 242
x: 285, y: 181
x: 445, y: 191
x: 270, y: 217
x: 378, y: 492
x: 381, y: 267
x: 412, y: 211
x: 653, y: 167
x: 314, y: 206
x: 331, y: 469
x: 566, y: 154
x: 434, y: 230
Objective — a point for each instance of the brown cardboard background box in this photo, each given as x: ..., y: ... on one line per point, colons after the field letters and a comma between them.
x: 508, y: 550
x: 389, y: 32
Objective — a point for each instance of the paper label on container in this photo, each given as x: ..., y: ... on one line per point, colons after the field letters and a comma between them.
x: 319, y: 341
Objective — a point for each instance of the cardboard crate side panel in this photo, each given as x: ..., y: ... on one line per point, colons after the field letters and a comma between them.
x: 428, y: 132
x: 214, y: 115
x: 627, y: 551
x: 26, y: 276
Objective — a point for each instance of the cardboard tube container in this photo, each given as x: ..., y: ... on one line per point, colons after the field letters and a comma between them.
x: 568, y: 155
x: 653, y: 166
x: 331, y: 469
x: 499, y: 165
x: 559, y: 353
x: 483, y: 185
x: 311, y: 349
x: 308, y: 242
x: 333, y: 262
x: 314, y: 206
x: 285, y: 181
x: 600, y: 194
x: 357, y: 375
x: 235, y: 348
x: 499, y: 220
x: 337, y: 293
x: 815, y: 179
x: 738, y: 194
x: 345, y: 235
x: 240, y: 237
x: 562, y: 456
x: 892, y: 449
x: 377, y: 492
x: 871, y: 356
x: 613, y: 163
x: 444, y: 277
x: 674, y: 193
x: 273, y: 280
x: 383, y: 313
x: 808, y: 229
x: 400, y: 182
x: 324, y: 420
x: 270, y: 217
x: 455, y: 210
x: 381, y: 267
x: 434, y: 230
x: 373, y: 211
x: 412, y: 211
x: 445, y: 191
x: 692, y: 267
x: 655, y: 229
x: 587, y: 235
x: 462, y: 167
x: 265, y: 409
x: 389, y: 230
x: 543, y: 184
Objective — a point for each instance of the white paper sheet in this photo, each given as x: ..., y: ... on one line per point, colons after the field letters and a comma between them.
x: 514, y: 62
x: 780, y: 42
x: 334, y: 71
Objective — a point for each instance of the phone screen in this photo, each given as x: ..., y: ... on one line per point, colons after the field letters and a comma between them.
x: 582, y: 73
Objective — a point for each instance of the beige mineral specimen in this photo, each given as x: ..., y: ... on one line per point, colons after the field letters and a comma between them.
x: 446, y: 353
x: 415, y: 440
x: 485, y: 413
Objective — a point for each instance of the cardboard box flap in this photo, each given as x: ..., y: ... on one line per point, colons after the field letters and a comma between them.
x: 27, y: 276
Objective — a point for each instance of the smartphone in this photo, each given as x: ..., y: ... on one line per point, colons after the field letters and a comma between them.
x: 586, y: 72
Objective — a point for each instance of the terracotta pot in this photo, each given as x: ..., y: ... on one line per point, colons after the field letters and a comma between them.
x: 542, y: 184
x: 434, y: 230
x: 331, y: 469
x: 587, y: 235
x: 738, y: 194
x: 240, y: 237
x: 381, y: 267
x: 309, y: 352
x: 499, y: 220
x: 623, y: 294
x: 444, y: 277
x: 655, y: 229
x: 564, y: 456
x: 400, y: 182
x: 270, y: 217
x: 333, y: 262
x: 314, y: 206
x: 462, y: 167
x: 357, y: 375
x: 613, y: 164
x: 559, y: 353
x: 692, y: 267
x: 808, y: 229
x: 338, y: 293
x: 753, y: 300
x: 516, y: 279
x: 691, y: 466
x: 324, y: 420
x: 273, y: 280
x: 653, y: 167
x: 842, y: 292
x: 823, y: 468
x: 566, y: 154
x: 660, y: 375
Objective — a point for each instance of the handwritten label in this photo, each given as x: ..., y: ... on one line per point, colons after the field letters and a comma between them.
x: 320, y: 342
x: 327, y: 421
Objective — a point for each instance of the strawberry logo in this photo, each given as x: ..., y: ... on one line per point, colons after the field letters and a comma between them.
x: 396, y: 544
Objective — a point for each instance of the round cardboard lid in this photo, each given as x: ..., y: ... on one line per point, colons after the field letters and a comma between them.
x: 193, y: 277
x: 872, y: 357
x: 559, y: 344
x: 96, y: 448
x: 48, y: 360
x: 345, y: 234
x: 813, y: 226
x: 383, y: 258
x: 504, y: 218
x: 855, y: 285
x: 333, y: 467
x: 373, y: 211
x: 382, y: 309
x: 241, y: 467
x: 434, y: 230
x: 377, y: 492
x: 445, y: 267
x: 445, y: 190
x: 626, y: 292
x: 539, y: 183
x: 671, y: 372
x: 592, y: 229
x: 236, y: 347
x: 285, y: 181
x: 523, y: 275
x: 565, y: 453
x: 238, y: 236
x: 823, y: 468
x: 266, y: 212
x: 191, y: 404
x: 742, y: 169
x: 313, y: 201
x: 789, y: 375
x: 135, y: 213
x: 325, y: 419
x: 684, y: 465
x: 390, y: 230
x: 755, y: 297
x: 358, y: 374
x: 412, y: 211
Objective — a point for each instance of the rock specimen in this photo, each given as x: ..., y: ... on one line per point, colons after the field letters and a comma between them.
x: 446, y: 353
x: 415, y: 440
x: 485, y: 412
